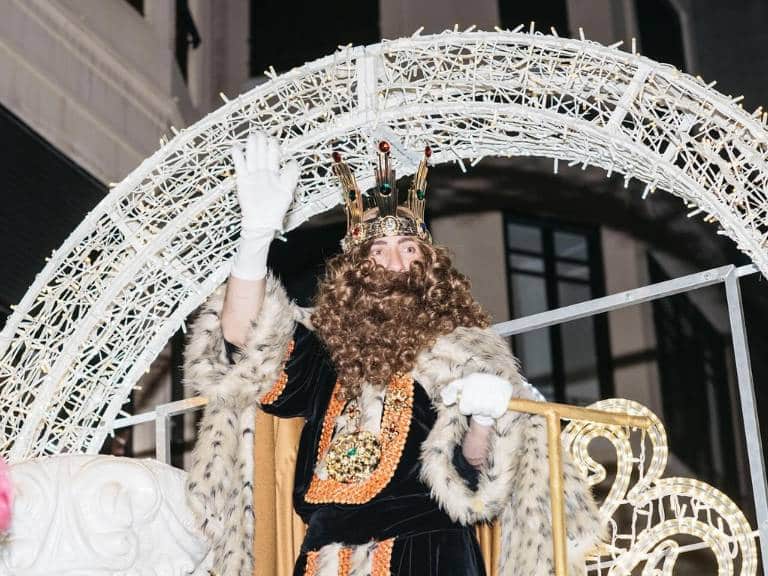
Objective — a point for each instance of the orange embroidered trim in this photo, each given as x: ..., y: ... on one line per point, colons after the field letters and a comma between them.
x: 395, y: 424
x: 311, y: 568
x: 345, y: 561
x: 382, y: 557
x: 277, y: 388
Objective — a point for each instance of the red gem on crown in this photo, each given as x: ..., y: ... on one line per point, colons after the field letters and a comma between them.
x: 336, y: 156
x: 384, y: 146
x: 427, y: 151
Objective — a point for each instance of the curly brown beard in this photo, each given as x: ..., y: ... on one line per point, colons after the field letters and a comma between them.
x: 374, y: 322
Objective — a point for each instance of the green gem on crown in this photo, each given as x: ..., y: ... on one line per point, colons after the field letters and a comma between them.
x: 420, y: 194
x: 351, y: 451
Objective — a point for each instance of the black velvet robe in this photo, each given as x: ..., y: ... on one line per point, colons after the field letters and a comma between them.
x: 426, y: 541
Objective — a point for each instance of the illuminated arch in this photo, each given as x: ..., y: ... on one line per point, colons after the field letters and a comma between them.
x: 157, y: 245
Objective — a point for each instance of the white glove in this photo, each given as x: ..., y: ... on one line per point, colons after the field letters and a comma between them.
x: 265, y: 193
x: 483, y: 396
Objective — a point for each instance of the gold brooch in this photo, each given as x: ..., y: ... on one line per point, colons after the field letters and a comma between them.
x: 353, y: 457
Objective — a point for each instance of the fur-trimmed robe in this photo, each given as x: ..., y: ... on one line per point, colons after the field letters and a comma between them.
x: 514, y: 485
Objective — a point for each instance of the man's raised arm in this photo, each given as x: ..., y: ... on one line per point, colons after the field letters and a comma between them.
x: 265, y: 193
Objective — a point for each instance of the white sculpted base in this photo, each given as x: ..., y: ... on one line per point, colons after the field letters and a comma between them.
x: 99, y: 515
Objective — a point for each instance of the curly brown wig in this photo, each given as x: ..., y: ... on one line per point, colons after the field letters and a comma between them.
x: 374, y: 322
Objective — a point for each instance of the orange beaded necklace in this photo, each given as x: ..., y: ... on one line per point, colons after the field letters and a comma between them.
x: 395, y: 424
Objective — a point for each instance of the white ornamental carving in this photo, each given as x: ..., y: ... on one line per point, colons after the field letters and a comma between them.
x: 100, y: 515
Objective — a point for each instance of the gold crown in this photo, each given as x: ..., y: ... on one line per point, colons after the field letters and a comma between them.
x: 390, y: 219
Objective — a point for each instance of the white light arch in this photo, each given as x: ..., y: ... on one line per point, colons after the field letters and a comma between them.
x: 157, y: 245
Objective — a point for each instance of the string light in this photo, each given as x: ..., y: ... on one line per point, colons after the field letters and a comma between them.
x: 659, y: 508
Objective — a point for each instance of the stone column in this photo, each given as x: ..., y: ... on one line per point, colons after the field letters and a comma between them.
x: 477, y: 244
x: 161, y: 16
x: 604, y: 21
x: 221, y: 62
x: 403, y: 17
x: 632, y: 332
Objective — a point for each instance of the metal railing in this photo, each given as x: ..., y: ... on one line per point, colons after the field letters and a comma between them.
x: 727, y: 275
x: 161, y: 416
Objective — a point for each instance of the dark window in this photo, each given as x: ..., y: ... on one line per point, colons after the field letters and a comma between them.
x: 288, y: 34
x: 138, y: 5
x: 694, y: 388
x: 178, y: 445
x: 661, y: 37
x: 545, y: 14
x: 552, y: 265
x: 186, y: 35
x: 45, y: 196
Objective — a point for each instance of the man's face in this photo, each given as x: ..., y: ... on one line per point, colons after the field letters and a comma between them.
x: 396, y: 253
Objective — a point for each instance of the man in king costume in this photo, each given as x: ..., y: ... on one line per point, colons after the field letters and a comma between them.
x: 407, y: 441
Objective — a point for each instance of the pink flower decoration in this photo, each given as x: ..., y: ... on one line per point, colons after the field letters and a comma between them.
x: 6, y: 496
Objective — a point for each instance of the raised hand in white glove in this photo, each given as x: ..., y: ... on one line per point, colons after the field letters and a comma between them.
x: 265, y: 193
x: 483, y: 396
